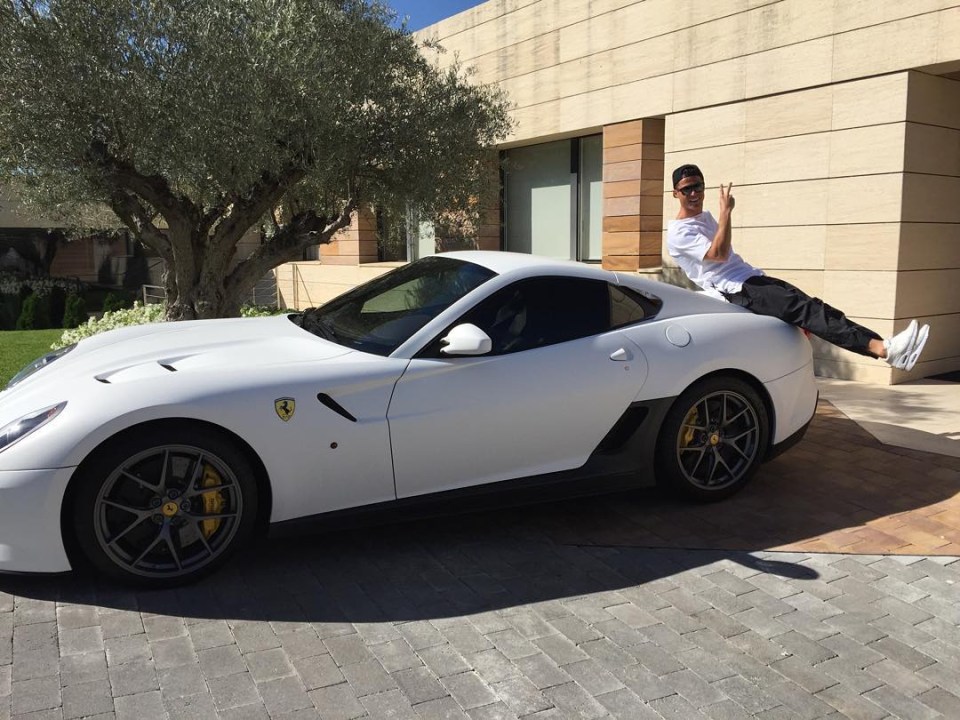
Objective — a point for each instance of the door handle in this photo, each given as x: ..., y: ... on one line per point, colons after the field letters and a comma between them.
x: 621, y: 355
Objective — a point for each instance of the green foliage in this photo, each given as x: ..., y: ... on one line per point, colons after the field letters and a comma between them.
x: 17, y: 348
x: 248, y: 311
x: 195, y: 120
x: 116, y: 301
x: 34, y: 313
x: 75, y: 311
x: 137, y: 315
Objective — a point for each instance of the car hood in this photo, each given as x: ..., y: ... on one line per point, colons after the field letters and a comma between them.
x: 141, y: 353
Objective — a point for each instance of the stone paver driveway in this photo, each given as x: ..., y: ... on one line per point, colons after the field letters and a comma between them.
x: 571, y: 610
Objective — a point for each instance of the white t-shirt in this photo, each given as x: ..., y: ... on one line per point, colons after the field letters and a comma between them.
x: 688, y: 241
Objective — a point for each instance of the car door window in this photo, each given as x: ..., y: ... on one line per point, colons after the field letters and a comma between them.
x: 538, y: 312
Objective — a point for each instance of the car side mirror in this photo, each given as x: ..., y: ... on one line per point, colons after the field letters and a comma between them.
x: 466, y: 339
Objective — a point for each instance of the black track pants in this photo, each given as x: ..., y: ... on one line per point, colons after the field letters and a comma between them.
x: 767, y: 295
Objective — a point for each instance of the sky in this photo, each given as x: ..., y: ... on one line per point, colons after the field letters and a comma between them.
x: 427, y: 12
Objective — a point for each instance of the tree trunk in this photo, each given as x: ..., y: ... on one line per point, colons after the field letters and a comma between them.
x: 204, y: 302
x: 195, y: 278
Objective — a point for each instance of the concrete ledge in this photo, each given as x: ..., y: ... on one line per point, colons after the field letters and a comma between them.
x: 920, y: 415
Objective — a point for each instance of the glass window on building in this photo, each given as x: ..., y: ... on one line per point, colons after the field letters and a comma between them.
x: 553, y: 199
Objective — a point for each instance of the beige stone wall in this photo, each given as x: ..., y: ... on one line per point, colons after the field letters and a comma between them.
x: 929, y: 252
x: 574, y: 64
x: 311, y: 283
x: 848, y: 191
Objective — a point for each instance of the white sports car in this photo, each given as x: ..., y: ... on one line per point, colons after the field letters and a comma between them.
x: 153, y: 452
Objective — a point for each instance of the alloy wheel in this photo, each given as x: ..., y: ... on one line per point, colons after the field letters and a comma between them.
x: 718, y: 441
x: 168, y: 511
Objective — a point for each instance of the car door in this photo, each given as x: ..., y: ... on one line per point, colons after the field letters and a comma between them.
x: 558, y: 377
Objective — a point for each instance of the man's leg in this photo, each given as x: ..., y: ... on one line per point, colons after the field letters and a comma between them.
x: 767, y: 295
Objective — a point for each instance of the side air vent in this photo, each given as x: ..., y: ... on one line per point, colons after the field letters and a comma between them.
x: 171, y: 368
x: 335, y: 406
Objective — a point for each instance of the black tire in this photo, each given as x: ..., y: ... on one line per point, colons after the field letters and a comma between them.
x: 164, y: 506
x: 713, y: 439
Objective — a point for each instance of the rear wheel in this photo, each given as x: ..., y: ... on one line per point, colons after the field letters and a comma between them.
x: 713, y: 439
x: 165, y: 506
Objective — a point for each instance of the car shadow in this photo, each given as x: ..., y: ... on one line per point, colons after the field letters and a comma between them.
x: 426, y: 569
x: 838, y: 491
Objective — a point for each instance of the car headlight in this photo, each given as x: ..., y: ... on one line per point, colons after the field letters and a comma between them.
x: 20, y: 428
x: 39, y: 364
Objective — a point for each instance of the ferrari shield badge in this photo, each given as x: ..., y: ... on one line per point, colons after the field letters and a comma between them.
x: 285, y: 407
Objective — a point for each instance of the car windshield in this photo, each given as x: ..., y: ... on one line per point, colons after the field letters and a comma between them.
x: 379, y: 316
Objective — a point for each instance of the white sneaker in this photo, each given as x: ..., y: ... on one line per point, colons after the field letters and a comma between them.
x: 900, y: 346
x: 917, y: 348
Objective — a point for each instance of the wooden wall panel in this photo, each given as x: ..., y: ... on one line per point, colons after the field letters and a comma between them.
x: 355, y: 244
x: 632, y: 194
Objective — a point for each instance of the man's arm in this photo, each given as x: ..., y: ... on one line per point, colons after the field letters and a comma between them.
x: 719, y: 250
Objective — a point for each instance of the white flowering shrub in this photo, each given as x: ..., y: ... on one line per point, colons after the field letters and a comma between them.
x: 10, y: 284
x: 139, y: 314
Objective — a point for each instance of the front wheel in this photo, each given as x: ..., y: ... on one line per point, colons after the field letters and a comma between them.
x: 713, y: 439
x: 164, y: 506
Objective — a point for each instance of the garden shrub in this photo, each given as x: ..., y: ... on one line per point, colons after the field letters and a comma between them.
x: 34, y: 313
x: 115, y: 300
x: 75, y: 311
x: 139, y: 314
x: 261, y: 311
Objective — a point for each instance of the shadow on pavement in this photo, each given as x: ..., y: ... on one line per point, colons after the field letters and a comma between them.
x: 839, y: 490
x: 413, y: 571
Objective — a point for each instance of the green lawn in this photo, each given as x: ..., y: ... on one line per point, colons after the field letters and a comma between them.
x: 18, y: 347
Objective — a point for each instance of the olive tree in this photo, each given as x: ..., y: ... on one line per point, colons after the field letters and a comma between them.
x: 192, y: 121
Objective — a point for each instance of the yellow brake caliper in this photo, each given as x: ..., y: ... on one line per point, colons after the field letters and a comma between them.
x: 212, y: 501
x: 689, y: 422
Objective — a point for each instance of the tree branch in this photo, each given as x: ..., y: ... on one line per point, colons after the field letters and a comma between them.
x: 122, y: 175
x: 303, y: 230
x: 134, y: 215
x: 262, y: 197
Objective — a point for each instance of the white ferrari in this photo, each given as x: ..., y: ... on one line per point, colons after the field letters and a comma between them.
x: 152, y: 453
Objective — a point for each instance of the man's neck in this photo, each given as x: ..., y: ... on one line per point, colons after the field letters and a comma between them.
x: 685, y: 213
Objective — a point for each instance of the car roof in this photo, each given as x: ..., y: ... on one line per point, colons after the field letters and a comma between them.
x: 502, y: 262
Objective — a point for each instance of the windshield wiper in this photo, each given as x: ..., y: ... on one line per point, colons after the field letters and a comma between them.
x: 316, y: 325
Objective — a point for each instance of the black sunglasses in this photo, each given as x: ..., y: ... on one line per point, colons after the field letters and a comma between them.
x: 690, y: 189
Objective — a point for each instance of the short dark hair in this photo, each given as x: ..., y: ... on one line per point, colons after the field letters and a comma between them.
x: 686, y: 171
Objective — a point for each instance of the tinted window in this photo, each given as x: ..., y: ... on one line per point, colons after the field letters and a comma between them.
x: 627, y: 306
x: 545, y: 311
